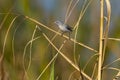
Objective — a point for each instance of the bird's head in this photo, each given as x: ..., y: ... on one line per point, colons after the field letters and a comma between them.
x: 58, y: 22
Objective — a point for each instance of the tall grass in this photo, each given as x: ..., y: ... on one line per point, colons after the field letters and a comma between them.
x: 77, y: 66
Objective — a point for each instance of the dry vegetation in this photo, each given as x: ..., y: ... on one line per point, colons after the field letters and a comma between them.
x: 46, y: 55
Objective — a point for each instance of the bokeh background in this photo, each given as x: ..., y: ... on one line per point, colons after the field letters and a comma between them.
x: 46, y: 12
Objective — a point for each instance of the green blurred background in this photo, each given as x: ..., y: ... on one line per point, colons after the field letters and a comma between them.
x: 48, y: 11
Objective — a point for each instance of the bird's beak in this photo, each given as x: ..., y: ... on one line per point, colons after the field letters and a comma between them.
x: 55, y: 22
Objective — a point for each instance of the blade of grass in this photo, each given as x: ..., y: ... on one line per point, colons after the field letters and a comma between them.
x: 76, y: 30
x: 3, y: 21
x: 68, y: 15
x: 3, y: 50
x: 30, y: 58
x: 53, y: 38
x: 117, y: 76
x: 100, y: 40
x: 113, y: 68
x: 71, y: 75
x: 107, y: 27
x: 114, y: 39
x: 84, y: 8
x: 111, y: 63
x: 24, y: 52
x: 13, y: 39
x: 89, y: 61
x: 52, y: 71
x: 68, y: 9
x: 94, y: 70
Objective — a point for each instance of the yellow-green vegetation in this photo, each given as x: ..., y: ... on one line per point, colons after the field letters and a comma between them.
x: 32, y: 48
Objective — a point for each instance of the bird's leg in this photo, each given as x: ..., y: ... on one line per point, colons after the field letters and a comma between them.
x: 62, y: 33
x: 69, y: 35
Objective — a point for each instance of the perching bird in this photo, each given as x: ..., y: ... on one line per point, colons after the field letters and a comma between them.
x: 64, y: 27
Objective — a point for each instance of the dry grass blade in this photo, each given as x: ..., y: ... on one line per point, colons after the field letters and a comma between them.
x: 13, y: 39
x: 53, y: 39
x: 31, y: 47
x: 100, y: 39
x: 25, y: 70
x: 89, y: 61
x: 114, y: 39
x: 68, y: 9
x: 66, y: 58
x: 71, y: 75
x: 115, y: 69
x: 5, y: 18
x: 107, y: 27
x: 117, y: 76
x: 68, y: 15
x: 3, y: 50
x: 94, y: 69
x: 84, y: 8
x: 95, y: 66
x: 81, y: 44
x: 111, y: 63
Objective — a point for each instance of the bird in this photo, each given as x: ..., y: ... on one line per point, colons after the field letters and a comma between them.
x: 65, y: 28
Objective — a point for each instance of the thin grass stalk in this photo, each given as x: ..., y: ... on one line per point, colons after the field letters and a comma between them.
x: 113, y: 39
x: 30, y: 57
x: 47, y: 66
x: 52, y: 39
x: 13, y: 39
x: 25, y: 75
x: 74, y: 49
x: 117, y: 76
x: 71, y: 11
x: 15, y: 14
x: 7, y: 14
x: 68, y: 9
x: 4, y: 43
x: 94, y: 70
x: 115, y: 69
x: 84, y: 8
x: 89, y: 61
x: 76, y: 30
x: 71, y: 75
x: 111, y: 63
x: 100, y: 40
x: 107, y: 27
x: 23, y: 58
x: 3, y: 21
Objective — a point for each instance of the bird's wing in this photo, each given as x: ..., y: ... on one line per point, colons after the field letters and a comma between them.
x: 68, y: 27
